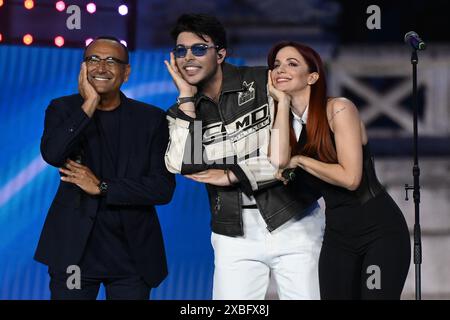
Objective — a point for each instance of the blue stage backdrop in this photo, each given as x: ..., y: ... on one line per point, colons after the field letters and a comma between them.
x: 29, y: 79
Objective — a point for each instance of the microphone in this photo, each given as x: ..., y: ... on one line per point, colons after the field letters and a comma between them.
x: 414, y: 40
x: 288, y: 174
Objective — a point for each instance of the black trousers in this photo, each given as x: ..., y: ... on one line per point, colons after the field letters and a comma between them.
x: 366, y: 252
x: 345, y: 275
x: 130, y: 287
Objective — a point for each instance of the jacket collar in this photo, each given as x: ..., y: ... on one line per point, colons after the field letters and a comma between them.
x: 127, y: 134
x: 232, y: 79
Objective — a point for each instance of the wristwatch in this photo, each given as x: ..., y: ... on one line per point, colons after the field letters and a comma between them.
x: 103, y: 186
x: 184, y: 100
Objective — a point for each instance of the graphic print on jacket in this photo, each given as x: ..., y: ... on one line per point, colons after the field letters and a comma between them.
x: 241, y: 137
x: 233, y: 133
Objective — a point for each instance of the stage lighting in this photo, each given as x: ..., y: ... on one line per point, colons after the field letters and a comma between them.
x: 59, y: 41
x: 1, y: 37
x: 91, y: 7
x: 88, y: 41
x: 60, y: 6
x: 123, y: 10
x: 27, y: 39
x: 124, y: 43
x: 28, y: 4
x: 1, y: 3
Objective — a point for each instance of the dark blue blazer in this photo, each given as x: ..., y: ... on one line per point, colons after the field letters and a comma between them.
x: 142, y: 182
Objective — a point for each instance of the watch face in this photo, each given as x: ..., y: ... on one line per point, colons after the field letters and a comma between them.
x: 103, y: 187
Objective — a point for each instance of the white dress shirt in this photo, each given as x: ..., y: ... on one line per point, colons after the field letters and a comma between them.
x: 299, y: 122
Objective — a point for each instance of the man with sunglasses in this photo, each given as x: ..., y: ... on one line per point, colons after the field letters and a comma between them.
x: 220, y: 135
x: 102, y: 226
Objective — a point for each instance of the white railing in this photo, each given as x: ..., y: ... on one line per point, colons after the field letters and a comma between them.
x: 346, y: 71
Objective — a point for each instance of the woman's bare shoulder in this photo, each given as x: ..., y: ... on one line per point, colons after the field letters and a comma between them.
x: 336, y: 105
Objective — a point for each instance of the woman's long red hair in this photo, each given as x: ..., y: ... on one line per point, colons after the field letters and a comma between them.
x: 319, y: 144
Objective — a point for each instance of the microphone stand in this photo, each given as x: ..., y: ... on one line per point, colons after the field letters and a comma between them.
x: 416, y: 185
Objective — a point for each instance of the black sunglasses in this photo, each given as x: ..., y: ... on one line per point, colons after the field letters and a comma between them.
x: 198, y: 50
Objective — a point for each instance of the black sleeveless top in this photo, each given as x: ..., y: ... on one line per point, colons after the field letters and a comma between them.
x: 336, y: 196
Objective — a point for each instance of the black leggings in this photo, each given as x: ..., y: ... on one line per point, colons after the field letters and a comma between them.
x: 370, y: 261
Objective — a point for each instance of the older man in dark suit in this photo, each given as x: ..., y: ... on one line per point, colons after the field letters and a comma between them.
x: 110, y: 152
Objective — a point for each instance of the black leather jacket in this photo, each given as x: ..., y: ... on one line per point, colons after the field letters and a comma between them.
x: 235, y: 135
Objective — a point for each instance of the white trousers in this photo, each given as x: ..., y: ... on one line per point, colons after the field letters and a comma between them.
x: 290, y: 254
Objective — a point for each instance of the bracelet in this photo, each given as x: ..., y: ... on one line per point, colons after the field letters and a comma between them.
x: 227, y: 172
x: 182, y: 100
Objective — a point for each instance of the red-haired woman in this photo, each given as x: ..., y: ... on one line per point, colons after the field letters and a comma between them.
x: 366, y: 246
